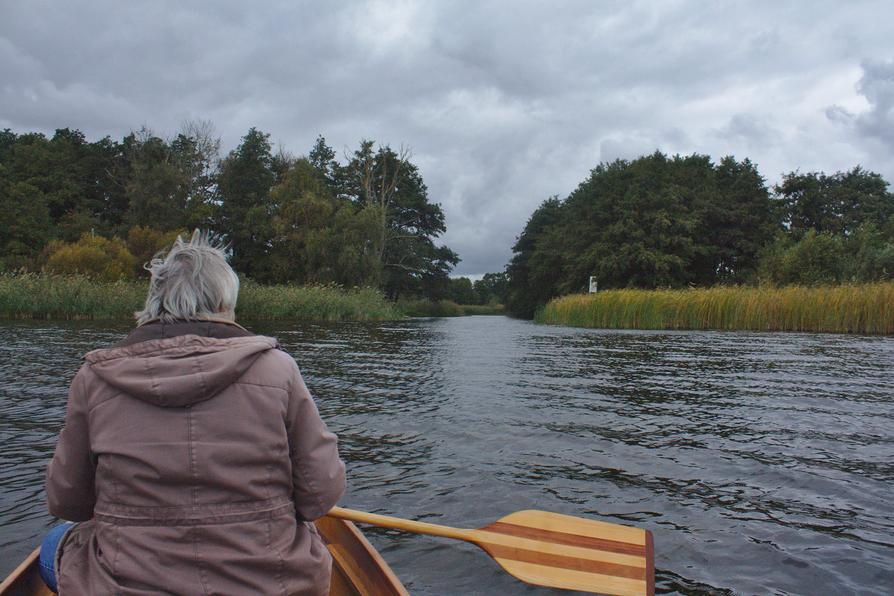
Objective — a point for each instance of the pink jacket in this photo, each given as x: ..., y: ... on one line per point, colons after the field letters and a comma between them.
x: 196, y: 458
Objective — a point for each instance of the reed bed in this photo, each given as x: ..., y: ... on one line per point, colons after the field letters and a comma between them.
x: 446, y: 308
x: 858, y: 308
x: 318, y: 303
x: 41, y: 296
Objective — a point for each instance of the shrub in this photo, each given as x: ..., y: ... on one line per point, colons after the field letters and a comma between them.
x: 95, y: 257
x: 144, y: 243
x: 815, y: 259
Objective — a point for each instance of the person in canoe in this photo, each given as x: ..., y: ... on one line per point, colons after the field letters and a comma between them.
x: 193, y: 458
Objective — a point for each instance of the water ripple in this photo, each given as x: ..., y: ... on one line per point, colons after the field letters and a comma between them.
x: 763, y: 463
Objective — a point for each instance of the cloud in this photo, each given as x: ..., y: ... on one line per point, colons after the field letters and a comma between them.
x: 503, y: 104
x: 870, y: 127
x: 877, y: 86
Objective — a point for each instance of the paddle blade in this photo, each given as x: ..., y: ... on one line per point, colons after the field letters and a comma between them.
x: 562, y: 551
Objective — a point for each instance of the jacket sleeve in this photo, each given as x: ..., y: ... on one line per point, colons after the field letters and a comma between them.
x: 71, y: 473
x: 318, y: 474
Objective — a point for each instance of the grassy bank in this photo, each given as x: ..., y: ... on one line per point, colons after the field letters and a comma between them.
x: 33, y: 296
x: 446, y: 308
x: 866, y: 308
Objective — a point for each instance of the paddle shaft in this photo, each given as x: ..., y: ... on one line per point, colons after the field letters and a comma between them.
x: 549, y: 549
x: 397, y: 523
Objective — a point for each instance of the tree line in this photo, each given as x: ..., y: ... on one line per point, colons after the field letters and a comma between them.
x: 490, y: 289
x: 105, y: 207
x: 671, y: 222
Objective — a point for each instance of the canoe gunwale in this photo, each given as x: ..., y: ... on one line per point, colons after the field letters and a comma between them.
x: 357, y: 567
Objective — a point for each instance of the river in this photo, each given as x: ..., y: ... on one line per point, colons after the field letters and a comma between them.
x: 763, y: 463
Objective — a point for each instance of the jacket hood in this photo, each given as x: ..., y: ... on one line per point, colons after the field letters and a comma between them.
x: 178, y: 371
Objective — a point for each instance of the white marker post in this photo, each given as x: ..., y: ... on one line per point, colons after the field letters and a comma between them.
x: 594, y: 285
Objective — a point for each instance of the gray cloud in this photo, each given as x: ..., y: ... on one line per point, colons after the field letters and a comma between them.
x: 877, y: 85
x: 503, y: 103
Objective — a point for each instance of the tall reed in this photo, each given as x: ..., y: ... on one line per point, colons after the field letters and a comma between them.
x: 445, y: 308
x: 40, y: 296
x: 863, y: 308
x: 318, y: 303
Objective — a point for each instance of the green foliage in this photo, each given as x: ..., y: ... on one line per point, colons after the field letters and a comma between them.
x: 421, y: 307
x: 71, y: 179
x: 462, y: 291
x: 322, y: 158
x: 144, y: 243
x: 482, y: 309
x: 492, y: 288
x: 865, y: 309
x: 245, y: 215
x: 531, y: 281
x: 408, y: 224
x: 157, y: 188
x: 873, y: 253
x: 24, y: 222
x: 315, y: 302
x: 40, y: 296
x: 659, y: 222
x: 488, y: 292
x: 836, y: 204
x: 307, y: 220
x: 736, y: 222
x: 95, y: 257
x: 318, y: 238
x: 816, y: 259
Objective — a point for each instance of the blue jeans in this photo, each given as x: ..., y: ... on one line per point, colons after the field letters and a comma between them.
x: 48, y: 548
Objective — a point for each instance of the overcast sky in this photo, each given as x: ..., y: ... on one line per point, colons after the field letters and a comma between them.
x: 502, y: 103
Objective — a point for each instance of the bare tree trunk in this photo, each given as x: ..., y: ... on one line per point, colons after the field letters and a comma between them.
x: 382, y: 194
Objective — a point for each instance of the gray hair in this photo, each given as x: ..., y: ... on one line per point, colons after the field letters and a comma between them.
x: 192, y: 281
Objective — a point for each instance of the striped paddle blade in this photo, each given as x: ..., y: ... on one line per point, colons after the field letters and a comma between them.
x: 550, y: 549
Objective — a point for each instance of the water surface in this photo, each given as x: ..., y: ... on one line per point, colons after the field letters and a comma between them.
x: 763, y: 463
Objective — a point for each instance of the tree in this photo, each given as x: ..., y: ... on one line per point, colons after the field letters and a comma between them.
x: 651, y: 222
x: 74, y: 179
x: 25, y: 223
x: 492, y: 288
x: 462, y: 291
x: 633, y: 224
x: 388, y: 185
x: 817, y: 258
x: 737, y: 219
x: 319, y: 238
x: 873, y: 253
x: 7, y: 141
x: 836, y: 204
x: 157, y: 187
x: 322, y: 158
x: 524, y: 293
x: 196, y: 151
x: 245, y: 214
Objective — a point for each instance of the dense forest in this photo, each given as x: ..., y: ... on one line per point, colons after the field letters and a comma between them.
x: 674, y: 222
x: 105, y: 207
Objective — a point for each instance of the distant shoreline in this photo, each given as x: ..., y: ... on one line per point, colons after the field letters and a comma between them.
x: 866, y: 309
x: 37, y: 296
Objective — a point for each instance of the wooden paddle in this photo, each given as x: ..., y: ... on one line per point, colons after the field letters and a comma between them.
x: 549, y: 549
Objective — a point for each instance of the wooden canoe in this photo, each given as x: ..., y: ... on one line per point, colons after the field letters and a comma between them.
x: 357, y: 568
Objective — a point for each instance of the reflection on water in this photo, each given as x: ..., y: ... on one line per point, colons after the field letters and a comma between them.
x: 763, y: 463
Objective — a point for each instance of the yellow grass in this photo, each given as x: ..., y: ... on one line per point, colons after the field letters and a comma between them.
x: 863, y: 308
